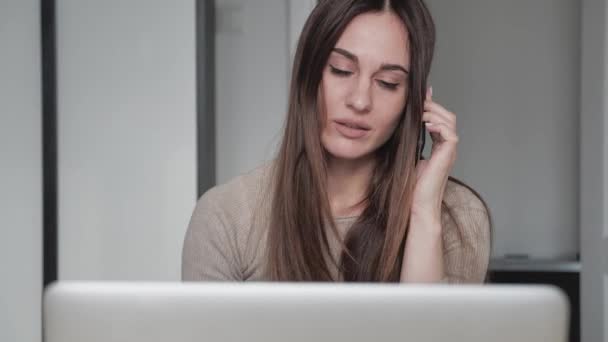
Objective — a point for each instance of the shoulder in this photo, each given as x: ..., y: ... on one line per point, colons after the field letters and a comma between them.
x: 238, y: 197
x: 466, y: 234
x: 215, y: 244
x: 465, y: 211
x: 460, y: 196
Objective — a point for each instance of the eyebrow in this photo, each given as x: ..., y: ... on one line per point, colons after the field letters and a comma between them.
x: 384, y: 66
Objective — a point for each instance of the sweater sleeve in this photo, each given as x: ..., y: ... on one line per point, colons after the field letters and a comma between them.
x: 210, y: 249
x: 466, y: 247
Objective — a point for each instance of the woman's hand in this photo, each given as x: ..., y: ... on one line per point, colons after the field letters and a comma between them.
x: 432, y: 175
x: 423, y: 256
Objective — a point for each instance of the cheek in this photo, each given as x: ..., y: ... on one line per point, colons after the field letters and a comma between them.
x: 386, y: 129
x: 333, y: 92
x: 390, y: 123
x: 394, y: 108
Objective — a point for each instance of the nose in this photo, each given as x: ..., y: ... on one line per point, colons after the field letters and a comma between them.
x: 360, y: 99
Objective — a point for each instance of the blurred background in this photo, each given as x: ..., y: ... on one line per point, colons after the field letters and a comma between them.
x: 115, y: 116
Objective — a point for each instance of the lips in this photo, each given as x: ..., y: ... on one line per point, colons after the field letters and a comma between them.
x: 351, y: 129
x: 354, y: 124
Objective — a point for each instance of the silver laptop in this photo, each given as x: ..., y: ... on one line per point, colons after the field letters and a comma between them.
x: 294, y: 312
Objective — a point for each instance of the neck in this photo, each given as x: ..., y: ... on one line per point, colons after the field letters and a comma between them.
x: 348, y: 182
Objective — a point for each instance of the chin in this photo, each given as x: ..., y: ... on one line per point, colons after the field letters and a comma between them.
x: 345, y: 150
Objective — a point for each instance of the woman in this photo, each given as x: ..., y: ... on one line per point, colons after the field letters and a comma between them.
x: 349, y: 197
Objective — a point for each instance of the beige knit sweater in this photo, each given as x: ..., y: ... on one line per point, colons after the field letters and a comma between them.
x: 226, y: 237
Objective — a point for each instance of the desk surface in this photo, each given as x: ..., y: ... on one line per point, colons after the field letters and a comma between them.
x: 535, y: 265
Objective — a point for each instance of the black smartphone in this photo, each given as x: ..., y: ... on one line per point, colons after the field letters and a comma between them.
x: 420, y: 146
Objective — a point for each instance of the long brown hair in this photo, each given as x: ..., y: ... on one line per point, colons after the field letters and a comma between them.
x: 300, y: 213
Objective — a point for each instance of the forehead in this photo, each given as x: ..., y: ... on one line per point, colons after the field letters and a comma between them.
x: 376, y: 37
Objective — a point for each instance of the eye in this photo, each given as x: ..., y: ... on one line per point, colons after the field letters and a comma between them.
x: 388, y: 85
x: 339, y: 72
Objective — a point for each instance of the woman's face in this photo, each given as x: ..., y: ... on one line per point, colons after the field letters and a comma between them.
x: 363, y: 89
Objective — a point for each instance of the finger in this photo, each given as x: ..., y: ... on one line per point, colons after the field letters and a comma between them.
x: 436, y: 108
x: 446, y: 133
x: 439, y: 109
x: 434, y: 117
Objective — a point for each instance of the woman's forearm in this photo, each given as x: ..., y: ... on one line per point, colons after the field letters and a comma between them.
x: 423, y: 255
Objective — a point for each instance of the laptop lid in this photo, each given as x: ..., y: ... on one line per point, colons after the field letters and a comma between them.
x: 273, y: 312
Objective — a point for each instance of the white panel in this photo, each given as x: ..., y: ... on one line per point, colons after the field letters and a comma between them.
x: 20, y: 171
x: 252, y: 47
x: 605, y: 105
x: 604, y: 250
x: 605, y: 197
x: 605, y: 306
x: 593, y: 195
x: 510, y: 71
x: 127, y: 137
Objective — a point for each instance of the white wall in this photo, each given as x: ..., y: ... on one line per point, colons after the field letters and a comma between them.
x: 127, y: 137
x: 21, y: 171
x: 254, y: 43
x: 299, y: 10
x: 510, y: 71
x: 251, y: 82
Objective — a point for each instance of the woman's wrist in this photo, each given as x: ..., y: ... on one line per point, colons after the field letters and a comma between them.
x: 425, y: 222
x: 423, y: 256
